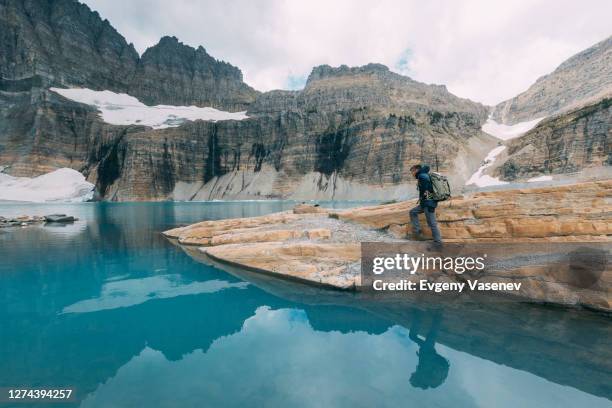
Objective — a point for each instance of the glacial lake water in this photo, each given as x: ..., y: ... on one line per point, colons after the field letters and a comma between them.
x: 109, y: 307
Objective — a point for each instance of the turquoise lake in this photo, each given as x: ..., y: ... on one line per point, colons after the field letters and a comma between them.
x: 109, y: 307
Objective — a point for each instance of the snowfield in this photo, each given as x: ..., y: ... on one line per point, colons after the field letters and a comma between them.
x: 502, y: 132
x: 123, y: 109
x: 62, y: 185
x: 540, y: 178
x: 505, y: 132
x: 483, y: 180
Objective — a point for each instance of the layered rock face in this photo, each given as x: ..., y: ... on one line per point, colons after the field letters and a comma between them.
x: 63, y: 43
x: 577, y: 212
x: 351, y: 133
x: 584, y: 78
x: 572, y: 142
x: 176, y: 74
x: 323, y: 247
x: 41, y: 131
x: 567, y: 143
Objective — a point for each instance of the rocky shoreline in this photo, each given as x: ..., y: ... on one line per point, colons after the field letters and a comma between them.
x: 322, y: 247
x: 27, y: 220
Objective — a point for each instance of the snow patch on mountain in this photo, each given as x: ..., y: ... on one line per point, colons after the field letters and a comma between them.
x: 62, y: 185
x: 123, y: 109
x: 479, y: 179
x: 539, y: 178
x: 506, y: 132
x: 502, y: 132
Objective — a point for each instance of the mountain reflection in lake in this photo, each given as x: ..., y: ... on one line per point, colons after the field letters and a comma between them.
x: 128, y: 319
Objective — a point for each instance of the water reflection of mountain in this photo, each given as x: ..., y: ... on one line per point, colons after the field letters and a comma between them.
x: 53, y: 349
x: 52, y: 331
x: 87, y: 309
x: 568, y: 347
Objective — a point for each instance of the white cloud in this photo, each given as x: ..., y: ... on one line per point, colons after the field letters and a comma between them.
x: 487, y: 51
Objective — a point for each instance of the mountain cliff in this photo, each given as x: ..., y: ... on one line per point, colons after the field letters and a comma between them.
x: 577, y: 141
x: 584, y: 78
x: 573, y: 139
x: 351, y: 133
x: 175, y: 74
x: 63, y: 43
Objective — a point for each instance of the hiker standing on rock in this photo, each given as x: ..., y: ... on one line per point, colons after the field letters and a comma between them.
x: 427, y: 203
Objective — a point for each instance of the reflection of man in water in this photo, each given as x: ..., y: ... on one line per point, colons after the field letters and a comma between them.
x: 432, y: 368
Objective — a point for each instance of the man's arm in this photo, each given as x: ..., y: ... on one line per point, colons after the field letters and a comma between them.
x: 424, y: 184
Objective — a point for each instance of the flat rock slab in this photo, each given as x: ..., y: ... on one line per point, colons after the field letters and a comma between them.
x: 577, y: 212
x: 323, y: 264
x: 322, y: 246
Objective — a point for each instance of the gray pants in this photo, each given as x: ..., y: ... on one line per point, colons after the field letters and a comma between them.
x: 430, y: 216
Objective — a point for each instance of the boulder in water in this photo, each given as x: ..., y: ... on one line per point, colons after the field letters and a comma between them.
x: 59, y: 218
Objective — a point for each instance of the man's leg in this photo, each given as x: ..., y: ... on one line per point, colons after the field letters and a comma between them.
x: 414, y: 220
x: 430, y: 215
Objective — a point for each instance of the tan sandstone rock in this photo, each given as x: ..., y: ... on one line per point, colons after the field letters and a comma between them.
x: 323, y: 247
x: 325, y: 264
x: 572, y: 212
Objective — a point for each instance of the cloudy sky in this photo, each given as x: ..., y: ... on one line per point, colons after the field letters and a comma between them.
x: 484, y: 50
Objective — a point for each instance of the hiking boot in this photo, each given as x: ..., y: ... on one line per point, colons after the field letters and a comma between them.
x: 435, y: 246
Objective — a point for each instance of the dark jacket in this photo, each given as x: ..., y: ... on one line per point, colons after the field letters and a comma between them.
x: 425, y: 188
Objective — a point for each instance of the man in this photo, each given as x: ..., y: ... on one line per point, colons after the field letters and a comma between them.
x: 426, y: 204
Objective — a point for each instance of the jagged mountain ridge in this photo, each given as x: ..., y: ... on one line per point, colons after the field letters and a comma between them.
x: 582, y: 79
x: 351, y: 133
x: 574, y: 140
x: 328, y: 88
x: 326, y: 141
x: 63, y: 43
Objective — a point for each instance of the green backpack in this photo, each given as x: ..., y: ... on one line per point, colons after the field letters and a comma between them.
x: 441, y: 188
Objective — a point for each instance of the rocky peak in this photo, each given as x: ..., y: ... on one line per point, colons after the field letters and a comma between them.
x: 326, y: 71
x: 66, y: 44
x: 373, y: 86
x: 170, y: 52
x: 174, y: 73
x: 63, y: 42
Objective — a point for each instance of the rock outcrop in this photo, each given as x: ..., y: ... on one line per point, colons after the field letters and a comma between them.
x: 570, y: 142
x: 175, y: 74
x: 285, y: 244
x: 41, y: 131
x: 584, y: 78
x: 577, y: 212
